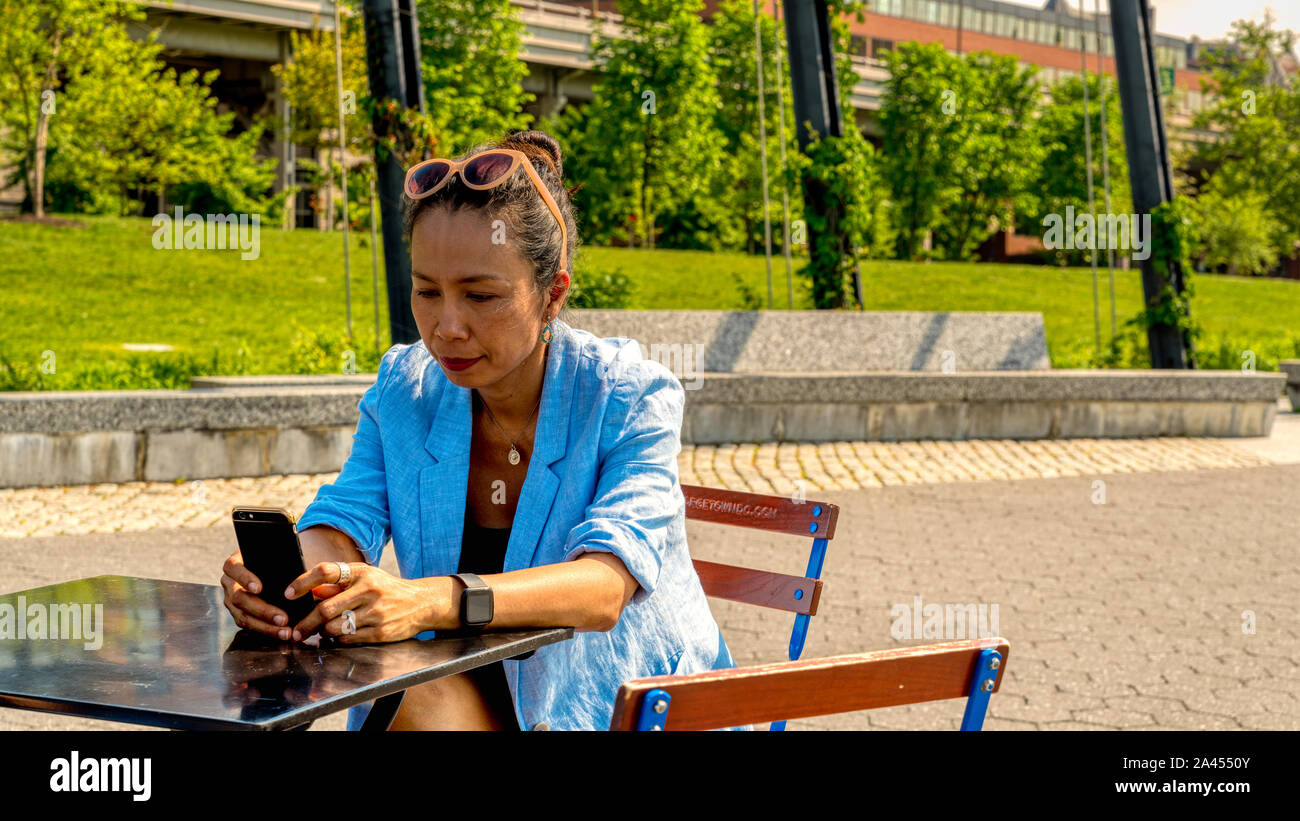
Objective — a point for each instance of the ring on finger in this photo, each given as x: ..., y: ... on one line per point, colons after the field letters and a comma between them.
x: 349, y: 622
x: 345, y: 573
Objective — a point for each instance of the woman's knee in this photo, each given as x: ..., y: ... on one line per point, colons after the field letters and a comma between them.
x: 452, y: 702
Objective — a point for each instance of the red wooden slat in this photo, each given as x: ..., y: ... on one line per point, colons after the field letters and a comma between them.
x: 760, y: 587
x: 777, y: 514
x: 813, y: 687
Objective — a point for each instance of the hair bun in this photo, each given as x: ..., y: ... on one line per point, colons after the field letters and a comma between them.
x: 541, y: 140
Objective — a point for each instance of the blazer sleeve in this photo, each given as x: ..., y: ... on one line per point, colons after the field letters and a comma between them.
x: 357, y: 501
x: 637, y: 492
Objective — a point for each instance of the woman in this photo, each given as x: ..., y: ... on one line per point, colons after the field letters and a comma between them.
x: 508, y: 445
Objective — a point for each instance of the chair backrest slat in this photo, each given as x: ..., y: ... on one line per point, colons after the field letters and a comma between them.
x: 814, y: 687
x: 776, y: 514
x: 794, y: 594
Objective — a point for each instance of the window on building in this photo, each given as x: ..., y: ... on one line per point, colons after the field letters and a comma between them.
x: 879, y: 47
x: 858, y: 45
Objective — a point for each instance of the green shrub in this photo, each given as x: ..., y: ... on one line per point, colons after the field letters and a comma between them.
x: 600, y: 289
x: 329, y: 352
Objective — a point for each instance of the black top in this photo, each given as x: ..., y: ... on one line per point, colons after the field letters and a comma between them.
x: 483, y: 552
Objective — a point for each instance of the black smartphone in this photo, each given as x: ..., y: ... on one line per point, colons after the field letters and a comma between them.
x: 268, y: 541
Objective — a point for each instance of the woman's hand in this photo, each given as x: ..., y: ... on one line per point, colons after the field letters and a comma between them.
x: 241, y: 600
x: 386, y: 608
x: 317, y: 543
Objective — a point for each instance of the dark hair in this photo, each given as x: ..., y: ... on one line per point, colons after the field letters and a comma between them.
x: 529, y: 223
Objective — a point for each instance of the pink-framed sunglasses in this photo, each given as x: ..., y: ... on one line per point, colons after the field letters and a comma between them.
x: 486, y: 169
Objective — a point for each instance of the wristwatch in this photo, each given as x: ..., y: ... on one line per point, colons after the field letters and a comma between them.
x: 475, y: 601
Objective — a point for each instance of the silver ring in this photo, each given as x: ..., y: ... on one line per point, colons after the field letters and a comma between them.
x: 345, y: 573
x: 349, y: 622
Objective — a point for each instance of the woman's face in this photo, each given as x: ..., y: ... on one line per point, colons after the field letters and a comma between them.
x: 473, y: 298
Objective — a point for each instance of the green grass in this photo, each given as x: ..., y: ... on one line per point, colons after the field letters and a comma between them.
x: 1236, y: 313
x: 81, y: 292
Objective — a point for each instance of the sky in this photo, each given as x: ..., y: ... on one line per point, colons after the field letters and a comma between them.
x: 1209, y: 19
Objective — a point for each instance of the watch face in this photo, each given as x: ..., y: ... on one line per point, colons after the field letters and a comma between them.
x: 478, y: 607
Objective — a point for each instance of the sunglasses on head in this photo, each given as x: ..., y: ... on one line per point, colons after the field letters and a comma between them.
x: 484, y: 170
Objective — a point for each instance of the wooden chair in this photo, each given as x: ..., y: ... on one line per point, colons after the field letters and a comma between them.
x: 970, y: 669
x: 775, y: 514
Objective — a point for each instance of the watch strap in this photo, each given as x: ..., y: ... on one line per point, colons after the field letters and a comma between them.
x: 473, y: 584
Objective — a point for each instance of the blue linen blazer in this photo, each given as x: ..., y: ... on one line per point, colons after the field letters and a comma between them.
x: 602, y: 477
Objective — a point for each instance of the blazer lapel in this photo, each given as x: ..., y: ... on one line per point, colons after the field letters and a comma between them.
x: 549, y: 446
x: 444, y: 484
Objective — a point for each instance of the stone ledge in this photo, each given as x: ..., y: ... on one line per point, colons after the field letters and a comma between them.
x: 825, y: 341
x: 51, y: 438
x: 1080, y: 385
x: 59, y: 412
x: 721, y: 423
x: 306, y: 406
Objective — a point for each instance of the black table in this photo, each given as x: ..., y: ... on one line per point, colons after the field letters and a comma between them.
x: 169, y: 655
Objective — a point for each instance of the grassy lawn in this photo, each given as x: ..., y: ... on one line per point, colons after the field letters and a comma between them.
x: 82, y: 292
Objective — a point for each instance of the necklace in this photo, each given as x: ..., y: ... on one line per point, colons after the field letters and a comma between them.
x: 514, y: 452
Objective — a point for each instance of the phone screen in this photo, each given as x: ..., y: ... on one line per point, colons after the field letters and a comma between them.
x: 268, y: 542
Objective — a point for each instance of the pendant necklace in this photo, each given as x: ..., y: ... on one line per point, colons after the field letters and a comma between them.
x: 514, y: 452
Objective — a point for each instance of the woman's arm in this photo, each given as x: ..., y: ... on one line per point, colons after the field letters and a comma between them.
x: 587, y: 593
x: 322, y: 543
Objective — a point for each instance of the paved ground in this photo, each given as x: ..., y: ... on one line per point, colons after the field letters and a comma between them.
x: 761, y: 468
x: 1120, y: 570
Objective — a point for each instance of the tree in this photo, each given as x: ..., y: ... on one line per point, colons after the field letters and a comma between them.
x: 309, y: 82
x: 1256, y: 116
x: 473, y: 77
x: 1061, y: 180
x: 856, y: 217
x: 1236, y: 231
x: 648, y: 144
x: 922, y: 136
x: 43, y: 46
x: 128, y: 122
x: 997, y: 156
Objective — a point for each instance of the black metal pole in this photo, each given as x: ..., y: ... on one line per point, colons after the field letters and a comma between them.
x: 1150, y: 176
x: 815, y: 89
x: 412, y: 77
x: 385, y: 63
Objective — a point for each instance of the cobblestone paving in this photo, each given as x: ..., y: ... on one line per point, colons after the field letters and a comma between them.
x: 760, y: 468
x: 1124, y: 608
